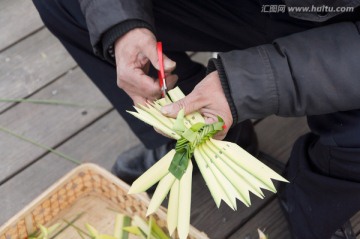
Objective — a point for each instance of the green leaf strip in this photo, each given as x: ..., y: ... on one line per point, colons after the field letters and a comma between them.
x: 40, y: 145
x: 51, y: 102
x: 190, y: 139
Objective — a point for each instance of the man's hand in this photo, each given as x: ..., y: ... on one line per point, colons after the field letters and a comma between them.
x: 133, y: 53
x: 209, y: 99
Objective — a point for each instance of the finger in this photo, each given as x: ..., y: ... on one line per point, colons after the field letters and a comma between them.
x: 169, y: 65
x: 220, y: 135
x: 171, y: 81
x: 210, y: 119
x: 162, y: 133
x: 138, y: 100
x: 142, y: 90
x: 151, y: 53
x: 223, y: 112
x: 190, y: 103
x: 143, y: 85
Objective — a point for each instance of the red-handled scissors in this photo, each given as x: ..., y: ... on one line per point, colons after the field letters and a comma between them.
x: 161, y: 72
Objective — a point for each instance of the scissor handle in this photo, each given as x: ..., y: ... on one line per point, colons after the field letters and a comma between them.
x: 161, y: 72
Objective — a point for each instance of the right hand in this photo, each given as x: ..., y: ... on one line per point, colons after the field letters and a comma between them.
x: 209, y: 99
x: 133, y: 54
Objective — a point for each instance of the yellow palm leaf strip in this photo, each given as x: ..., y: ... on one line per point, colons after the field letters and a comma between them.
x: 254, y: 183
x: 153, y: 174
x: 215, y: 189
x: 185, y: 200
x: 239, y: 183
x: 230, y: 192
x: 161, y: 192
x: 173, y: 207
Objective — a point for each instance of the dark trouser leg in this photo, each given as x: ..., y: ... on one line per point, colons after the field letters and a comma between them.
x: 324, y: 171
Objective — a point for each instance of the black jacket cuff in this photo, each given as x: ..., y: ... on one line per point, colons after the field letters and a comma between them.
x: 111, y: 35
x: 216, y: 65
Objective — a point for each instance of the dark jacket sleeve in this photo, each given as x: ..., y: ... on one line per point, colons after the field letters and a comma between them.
x: 308, y: 73
x: 117, y: 16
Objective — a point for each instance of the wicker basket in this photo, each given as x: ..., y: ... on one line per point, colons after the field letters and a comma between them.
x: 88, y: 190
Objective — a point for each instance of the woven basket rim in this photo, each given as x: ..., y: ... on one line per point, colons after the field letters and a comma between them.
x: 64, y: 179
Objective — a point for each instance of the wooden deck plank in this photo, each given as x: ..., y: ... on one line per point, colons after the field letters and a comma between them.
x: 202, y: 57
x: 355, y: 222
x: 48, y: 124
x: 270, y: 220
x: 278, y: 134
x: 31, y: 64
x: 99, y: 143
x: 18, y: 19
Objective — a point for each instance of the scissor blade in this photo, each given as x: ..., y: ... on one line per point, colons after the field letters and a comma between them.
x: 163, y: 87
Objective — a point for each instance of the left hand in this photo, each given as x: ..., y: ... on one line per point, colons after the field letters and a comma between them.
x: 209, y: 99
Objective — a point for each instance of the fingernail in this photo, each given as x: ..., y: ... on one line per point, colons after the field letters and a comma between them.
x: 169, y: 63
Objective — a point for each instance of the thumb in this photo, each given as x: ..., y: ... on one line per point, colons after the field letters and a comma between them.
x: 169, y: 65
x: 190, y: 104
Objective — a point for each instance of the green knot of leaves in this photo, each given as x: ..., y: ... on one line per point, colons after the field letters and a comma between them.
x: 190, y: 139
